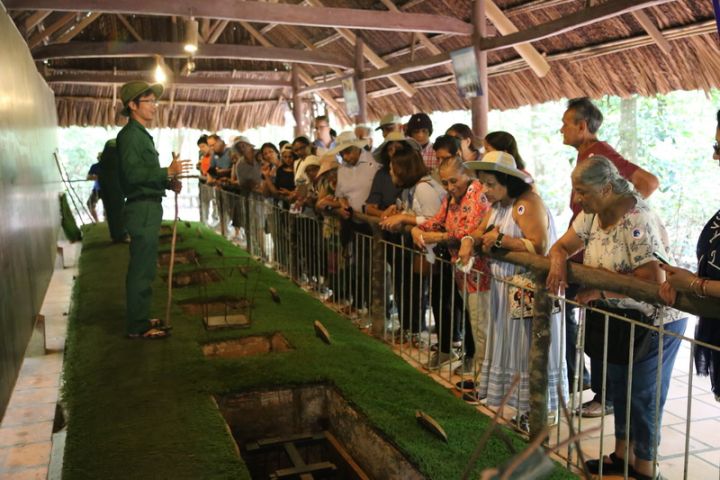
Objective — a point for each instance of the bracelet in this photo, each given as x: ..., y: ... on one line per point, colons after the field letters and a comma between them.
x: 693, y: 284
x: 470, y: 237
x: 703, y: 287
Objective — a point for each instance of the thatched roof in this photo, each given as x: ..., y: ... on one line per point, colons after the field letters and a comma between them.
x: 614, y: 56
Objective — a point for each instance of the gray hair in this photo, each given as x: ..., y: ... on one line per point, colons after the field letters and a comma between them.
x: 597, y: 171
x: 585, y: 109
x: 456, y: 163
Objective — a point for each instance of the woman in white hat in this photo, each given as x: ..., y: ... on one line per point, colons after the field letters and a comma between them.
x: 519, y: 221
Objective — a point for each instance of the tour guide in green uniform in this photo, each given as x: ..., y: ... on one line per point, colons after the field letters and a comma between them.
x: 143, y: 182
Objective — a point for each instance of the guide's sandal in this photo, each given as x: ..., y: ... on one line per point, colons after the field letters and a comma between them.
x: 615, y: 467
x: 159, y: 325
x: 152, y: 334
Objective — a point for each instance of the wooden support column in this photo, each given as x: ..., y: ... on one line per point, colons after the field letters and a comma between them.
x: 360, y: 84
x: 297, y: 102
x: 539, y: 356
x: 480, y: 104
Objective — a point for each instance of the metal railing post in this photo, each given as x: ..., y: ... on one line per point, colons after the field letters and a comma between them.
x: 377, y: 280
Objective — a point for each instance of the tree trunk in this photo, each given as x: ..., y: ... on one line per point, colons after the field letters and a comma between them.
x: 628, y: 128
x: 539, y: 357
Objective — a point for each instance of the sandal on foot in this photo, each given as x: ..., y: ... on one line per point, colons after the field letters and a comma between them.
x: 615, y: 467
x: 158, y: 324
x: 152, y: 334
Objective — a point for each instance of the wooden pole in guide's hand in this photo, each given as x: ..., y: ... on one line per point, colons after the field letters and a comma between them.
x: 167, y: 323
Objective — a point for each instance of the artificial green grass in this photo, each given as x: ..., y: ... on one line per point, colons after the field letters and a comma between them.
x: 143, y: 409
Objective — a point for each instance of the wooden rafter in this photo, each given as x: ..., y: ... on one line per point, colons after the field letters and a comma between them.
x: 34, y: 20
x: 370, y: 55
x: 193, y: 81
x: 217, y: 30
x: 653, y: 31
x: 262, y: 12
x: 175, y: 50
x: 583, y: 17
x: 129, y: 27
x: 77, y: 28
x: 302, y: 74
x: 38, y: 38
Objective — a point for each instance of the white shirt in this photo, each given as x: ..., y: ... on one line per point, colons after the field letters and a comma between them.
x: 354, y: 181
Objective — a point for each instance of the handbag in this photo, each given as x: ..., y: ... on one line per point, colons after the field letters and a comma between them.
x: 618, y: 350
x: 523, y: 285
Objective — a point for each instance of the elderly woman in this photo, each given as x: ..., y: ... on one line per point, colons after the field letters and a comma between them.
x: 617, y: 231
x: 420, y: 198
x: 519, y: 221
x: 462, y: 211
x: 706, y: 283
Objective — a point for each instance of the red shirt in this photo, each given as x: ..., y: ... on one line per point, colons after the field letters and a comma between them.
x: 459, y: 220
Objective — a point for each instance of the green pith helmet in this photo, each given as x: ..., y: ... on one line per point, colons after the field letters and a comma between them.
x: 131, y: 90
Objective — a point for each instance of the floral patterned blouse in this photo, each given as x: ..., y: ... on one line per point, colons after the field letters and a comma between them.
x: 459, y: 220
x: 624, y: 247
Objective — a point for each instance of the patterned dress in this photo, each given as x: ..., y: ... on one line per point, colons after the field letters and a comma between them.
x: 508, y: 349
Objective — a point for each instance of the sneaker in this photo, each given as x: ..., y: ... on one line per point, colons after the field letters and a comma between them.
x: 455, y: 345
x: 465, y: 385
x: 473, y: 398
x: 593, y: 409
x: 467, y: 367
x: 438, y: 359
x: 522, y: 424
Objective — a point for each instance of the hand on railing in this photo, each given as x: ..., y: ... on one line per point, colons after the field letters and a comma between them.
x: 389, y: 212
x: 587, y: 295
x: 676, y: 279
x: 393, y: 223
x: 557, y: 275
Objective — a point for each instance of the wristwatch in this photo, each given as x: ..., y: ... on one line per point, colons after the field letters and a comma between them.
x: 498, y: 241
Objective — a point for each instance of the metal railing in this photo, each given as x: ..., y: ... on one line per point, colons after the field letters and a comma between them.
x: 426, y: 311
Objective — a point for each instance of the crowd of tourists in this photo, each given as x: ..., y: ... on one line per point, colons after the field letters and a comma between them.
x: 456, y: 199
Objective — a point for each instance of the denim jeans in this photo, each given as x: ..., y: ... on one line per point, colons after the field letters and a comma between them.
x: 644, y: 431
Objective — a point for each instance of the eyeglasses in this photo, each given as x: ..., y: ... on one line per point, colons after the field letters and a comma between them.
x: 152, y: 102
x: 716, y: 147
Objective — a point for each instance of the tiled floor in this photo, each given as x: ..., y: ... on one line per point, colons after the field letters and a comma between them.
x: 26, y: 428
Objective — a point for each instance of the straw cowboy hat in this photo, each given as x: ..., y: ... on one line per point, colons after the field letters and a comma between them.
x: 131, y: 90
x: 346, y: 140
x: 400, y: 137
x: 502, y: 162
x: 327, y: 164
x: 389, y: 119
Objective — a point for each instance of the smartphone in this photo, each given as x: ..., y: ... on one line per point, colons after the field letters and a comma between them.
x: 661, y: 258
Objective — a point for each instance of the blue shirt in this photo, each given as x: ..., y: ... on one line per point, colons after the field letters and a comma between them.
x: 221, y: 161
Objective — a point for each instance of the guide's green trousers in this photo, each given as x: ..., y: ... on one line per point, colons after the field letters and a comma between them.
x: 142, y: 220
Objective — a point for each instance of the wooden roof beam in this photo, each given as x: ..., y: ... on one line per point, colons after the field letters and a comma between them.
x: 370, y: 54
x: 129, y: 27
x: 175, y: 50
x: 586, y: 16
x: 263, y: 12
x: 34, y: 20
x: 40, y: 36
x: 533, y: 58
x: 653, y: 31
x: 304, y: 76
x: 77, y: 28
x: 179, y: 81
x: 217, y: 30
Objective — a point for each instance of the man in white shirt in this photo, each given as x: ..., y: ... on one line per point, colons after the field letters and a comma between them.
x: 355, y: 175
